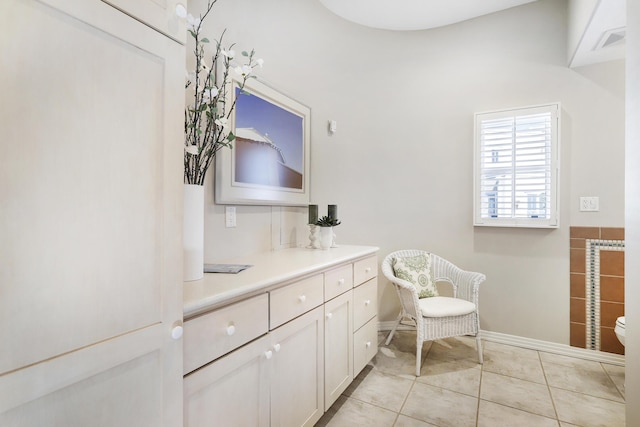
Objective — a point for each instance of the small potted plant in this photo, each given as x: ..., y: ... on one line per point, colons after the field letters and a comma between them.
x: 326, y: 224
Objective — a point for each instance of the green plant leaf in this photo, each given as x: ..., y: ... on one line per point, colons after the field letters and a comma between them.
x: 204, y: 40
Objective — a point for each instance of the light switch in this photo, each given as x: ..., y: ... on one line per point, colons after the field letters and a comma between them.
x: 230, y: 216
x: 589, y: 204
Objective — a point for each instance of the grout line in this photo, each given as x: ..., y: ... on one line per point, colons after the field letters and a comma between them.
x: 546, y: 381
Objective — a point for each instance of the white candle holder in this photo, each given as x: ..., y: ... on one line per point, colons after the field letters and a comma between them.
x: 313, y: 237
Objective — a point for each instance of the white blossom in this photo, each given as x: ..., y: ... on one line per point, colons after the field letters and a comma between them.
x: 192, y: 23
x: 209, y: 93
x: 244, y: 70
x: 259, y: 62
x: 221, y: 121
x: 181, y: 11
x: 191, y: 149
x: 228, y: 53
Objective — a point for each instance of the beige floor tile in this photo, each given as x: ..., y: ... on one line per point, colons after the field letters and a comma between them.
x: 587, y: 411
x: 462, y: 376
x: 589, y: 379
x: 616, y: 373
x: 454, y: 349
x: 518, y: 394
x: 347, y: 412
x: 441, y: 407
x: 513, y: 362
x: 517, y: 352
x: 494, y: 415
x: 382, y: 389
x: 399, y: 357
x: 404, y: 421
x: 510, y: 389
x: 560, y: 359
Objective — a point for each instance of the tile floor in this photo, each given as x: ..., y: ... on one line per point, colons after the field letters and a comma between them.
x: 514, y: 387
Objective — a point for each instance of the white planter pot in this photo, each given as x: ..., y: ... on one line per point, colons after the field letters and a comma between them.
x: 326, y: 237
x: 193, y: 229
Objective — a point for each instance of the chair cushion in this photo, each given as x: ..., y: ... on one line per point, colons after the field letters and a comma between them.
x: 445, y: 306
x: 417, y: 270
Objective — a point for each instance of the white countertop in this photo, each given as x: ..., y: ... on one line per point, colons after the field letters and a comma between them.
x: 269, y: 269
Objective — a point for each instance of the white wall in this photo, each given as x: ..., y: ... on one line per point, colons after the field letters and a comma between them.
x: 400, y: 165
x: 632, y: 220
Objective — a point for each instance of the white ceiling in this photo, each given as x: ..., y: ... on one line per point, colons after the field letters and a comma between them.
x: 602, y: 38
x: 415, y: 14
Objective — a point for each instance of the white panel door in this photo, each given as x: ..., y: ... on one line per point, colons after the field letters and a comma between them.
x: 338, y: 347
x: 297, y: 371
x: 90, y: 217
x: 232, y: 391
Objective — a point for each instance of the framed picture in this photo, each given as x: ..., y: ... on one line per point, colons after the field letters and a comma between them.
x: 269, y: 161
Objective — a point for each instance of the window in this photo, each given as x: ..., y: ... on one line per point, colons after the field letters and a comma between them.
x: 516, y: 167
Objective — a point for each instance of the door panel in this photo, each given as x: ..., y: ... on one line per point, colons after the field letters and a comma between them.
x: 90, y: 183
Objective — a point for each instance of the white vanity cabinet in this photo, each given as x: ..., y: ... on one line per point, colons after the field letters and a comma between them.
x: 281, y: 351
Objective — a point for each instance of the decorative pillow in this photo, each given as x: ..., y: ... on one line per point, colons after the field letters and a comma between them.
x: 417, y: 270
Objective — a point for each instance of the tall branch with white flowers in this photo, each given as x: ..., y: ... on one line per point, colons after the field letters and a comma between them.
x: 206, y: 119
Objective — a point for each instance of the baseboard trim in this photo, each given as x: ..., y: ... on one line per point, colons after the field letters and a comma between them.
x: 533, y: 344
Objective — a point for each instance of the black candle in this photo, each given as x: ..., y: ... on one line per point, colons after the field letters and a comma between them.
x: 313, y: 214
x: 333, y: 211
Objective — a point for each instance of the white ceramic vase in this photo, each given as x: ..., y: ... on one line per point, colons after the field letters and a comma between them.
x: 193, y: 229
x: 326, y: 237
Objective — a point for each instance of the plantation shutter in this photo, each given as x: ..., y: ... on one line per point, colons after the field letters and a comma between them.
x: 516, y: 167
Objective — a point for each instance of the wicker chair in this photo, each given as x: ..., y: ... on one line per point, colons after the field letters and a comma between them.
x: 438, y: 317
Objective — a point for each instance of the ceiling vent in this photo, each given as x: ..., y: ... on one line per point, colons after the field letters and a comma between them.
x: 612, y: 38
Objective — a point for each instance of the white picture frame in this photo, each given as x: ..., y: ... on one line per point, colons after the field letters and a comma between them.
x: 269, y: 161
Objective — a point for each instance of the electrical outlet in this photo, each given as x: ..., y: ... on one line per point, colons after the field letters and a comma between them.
x: 230, y: 216
x: 589, y: 204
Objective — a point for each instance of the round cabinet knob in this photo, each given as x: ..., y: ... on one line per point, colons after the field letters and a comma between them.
x: 302, y: 298
x: 268, y: 354
x: 341, y: 282
x: 368, y: 344
x: 367, y: 302
x: 231, y: 329
x: 276, y: 347
x: 329, y: 315
x: 176, y: 332
x: 367, y: 270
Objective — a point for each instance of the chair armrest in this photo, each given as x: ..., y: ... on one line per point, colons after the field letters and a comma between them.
x: 465, y: 283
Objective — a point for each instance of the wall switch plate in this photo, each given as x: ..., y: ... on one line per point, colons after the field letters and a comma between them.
x: 230, y: 216
x: 589, y: 204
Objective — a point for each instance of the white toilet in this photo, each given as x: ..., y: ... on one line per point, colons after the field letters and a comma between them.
x: 619, y: 329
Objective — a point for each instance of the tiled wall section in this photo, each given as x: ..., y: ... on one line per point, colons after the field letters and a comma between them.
x: 597, y: 287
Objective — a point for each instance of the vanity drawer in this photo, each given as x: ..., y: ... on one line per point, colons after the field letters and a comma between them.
x: 365, y: 303
x: 211, y: 335
x: 293, y: 300
x: 364, y: 270
x: 338, y: 281
x: 365, y: 345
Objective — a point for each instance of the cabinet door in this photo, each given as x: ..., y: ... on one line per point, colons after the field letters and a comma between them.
x: 297, y: 377
x: 90, y: 222
x: 232, y: 391
x: 338, y: 346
